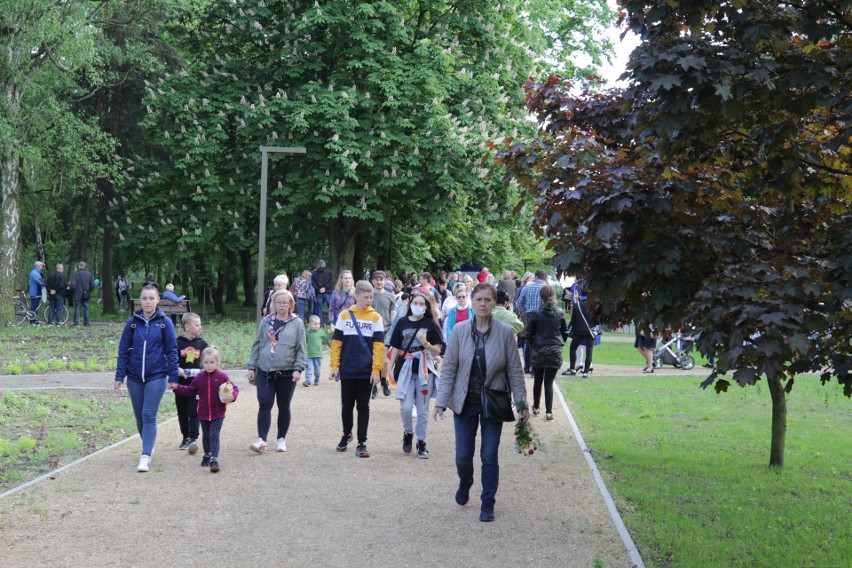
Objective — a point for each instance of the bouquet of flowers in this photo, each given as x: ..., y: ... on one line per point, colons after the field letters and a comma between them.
x: 526, y: 440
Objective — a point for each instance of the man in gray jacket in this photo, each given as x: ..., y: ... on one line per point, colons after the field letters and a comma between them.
x: 82, y: 285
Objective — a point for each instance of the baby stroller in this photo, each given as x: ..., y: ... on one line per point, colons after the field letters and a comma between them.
x: 676, y: 352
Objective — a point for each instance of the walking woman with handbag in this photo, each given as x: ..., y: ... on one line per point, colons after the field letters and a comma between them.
x: 480, y: 365
x: 584, y: 329
x: 416, y: 341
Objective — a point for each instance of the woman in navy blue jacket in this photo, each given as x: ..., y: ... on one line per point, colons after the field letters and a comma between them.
x: 147, y: 358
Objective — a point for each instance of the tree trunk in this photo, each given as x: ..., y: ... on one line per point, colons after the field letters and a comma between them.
x: 342, y: 234
x: 84, y: 240
x: 232, y: 277
x: 219, y: 291
x: 109, y: 298
x: 779, y: 422
x: 248, y: 278
x: 358, y: 259
x: 10, y: 234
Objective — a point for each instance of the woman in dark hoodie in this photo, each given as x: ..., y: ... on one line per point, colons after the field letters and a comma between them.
x: 147, y: 358
x: 546, y: 334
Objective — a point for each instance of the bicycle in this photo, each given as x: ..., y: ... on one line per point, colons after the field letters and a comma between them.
x: 44, y: 312
x: 22, y: 311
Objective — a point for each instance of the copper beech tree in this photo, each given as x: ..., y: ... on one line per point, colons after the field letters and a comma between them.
x: 713, y: 190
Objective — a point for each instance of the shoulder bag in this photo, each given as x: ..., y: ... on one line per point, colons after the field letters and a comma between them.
x: 496, y: 404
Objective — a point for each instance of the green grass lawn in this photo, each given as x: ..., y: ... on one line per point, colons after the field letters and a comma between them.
x: 688, y: 470
x: 617, y: 349
x: 43, y: 430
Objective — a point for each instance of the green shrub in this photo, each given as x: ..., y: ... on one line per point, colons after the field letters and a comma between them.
x: 94, y: 365
x: 15, y: 369
x: 77, y: 366
x: 58, y: 365
x: 32, y: 368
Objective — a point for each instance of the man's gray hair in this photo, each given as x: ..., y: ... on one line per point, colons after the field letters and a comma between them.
x: 38, y: 264
x: 81, y: 265
x: 59, y: 267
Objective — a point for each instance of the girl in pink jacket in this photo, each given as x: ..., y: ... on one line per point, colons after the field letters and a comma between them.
x: 215, y: 391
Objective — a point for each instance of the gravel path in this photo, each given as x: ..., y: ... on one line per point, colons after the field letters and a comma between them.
x: 310, y: 505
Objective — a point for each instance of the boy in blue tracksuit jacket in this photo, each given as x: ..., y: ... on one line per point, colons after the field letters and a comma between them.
x: 147, y: 358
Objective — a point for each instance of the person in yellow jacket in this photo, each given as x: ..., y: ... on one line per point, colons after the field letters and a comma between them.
x: 357, y: 357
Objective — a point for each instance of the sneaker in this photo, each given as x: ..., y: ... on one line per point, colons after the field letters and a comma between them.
x: 344, y: 442
x: 385, y: 388
x: 548, y: 416
x: 259, y: 446
x: 307, y: 383
x: 407, y: 438
x: 707, y: 365
x: 422, y: 452
x: 205, y: 461
x: 374, y: 394
x: 185, y: 444
x: 536, y: 411
x: 281, y: 445
x: 316, y: 382
x: 569, y: 373
x: 214, y: 465
x: 192, y: 448
x: 648, y: 370
x: 361, y: 451
x: 585, y: 375
x: 144, y: 463
x: 486, y: 514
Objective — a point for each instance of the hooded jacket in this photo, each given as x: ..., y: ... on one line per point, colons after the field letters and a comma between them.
x: 148, y: 349
x: 206, y: 386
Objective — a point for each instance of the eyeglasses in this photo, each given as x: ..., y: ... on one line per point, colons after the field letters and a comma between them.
x: 282, y: 302
x: 462, y: 296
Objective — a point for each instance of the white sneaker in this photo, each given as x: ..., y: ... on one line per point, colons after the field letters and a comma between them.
x: 144, y: 463
x: 259, y: 446
x: 281, y: 446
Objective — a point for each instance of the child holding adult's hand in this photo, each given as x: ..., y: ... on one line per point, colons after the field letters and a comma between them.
x: 215, y: 391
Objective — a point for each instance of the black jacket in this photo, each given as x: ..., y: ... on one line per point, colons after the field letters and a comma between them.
x: 580, y: 324
x: 323, y: 278
x: 546, y: 326
x: 57, y: 282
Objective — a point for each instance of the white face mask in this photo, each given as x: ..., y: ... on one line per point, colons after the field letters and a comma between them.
x: 418, y: 311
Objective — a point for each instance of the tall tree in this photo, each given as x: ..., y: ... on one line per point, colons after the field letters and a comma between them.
x: 393, y: 100
x: 715, y: 189
x: 40, y: 38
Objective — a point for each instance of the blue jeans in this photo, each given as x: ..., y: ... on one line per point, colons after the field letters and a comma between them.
x: 415, y: 398
x: 55, y: 313
x: 85, y: 305
x: 146, y: 398
x: 302, y: 304
x: 282, y: 387
x: 466, y: 425
x: 315, y: 365
x: 319, y: 302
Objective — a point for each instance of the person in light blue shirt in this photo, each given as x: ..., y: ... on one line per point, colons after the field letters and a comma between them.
x: 36, y: 284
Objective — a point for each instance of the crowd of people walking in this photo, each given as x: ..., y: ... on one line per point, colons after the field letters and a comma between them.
x: 453, y: 339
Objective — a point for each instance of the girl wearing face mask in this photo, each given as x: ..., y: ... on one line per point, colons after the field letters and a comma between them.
x: 416, y: 341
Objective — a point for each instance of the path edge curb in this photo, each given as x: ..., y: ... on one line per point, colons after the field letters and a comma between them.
x: 620, y: 527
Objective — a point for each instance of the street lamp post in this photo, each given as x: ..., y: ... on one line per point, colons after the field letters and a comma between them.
x: 261, y: 236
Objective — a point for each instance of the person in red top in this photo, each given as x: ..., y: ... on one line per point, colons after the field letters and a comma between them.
x: 483, y: 274
x: 215, y: 391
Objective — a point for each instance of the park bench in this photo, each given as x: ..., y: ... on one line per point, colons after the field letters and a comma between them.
x: 168, y: 307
